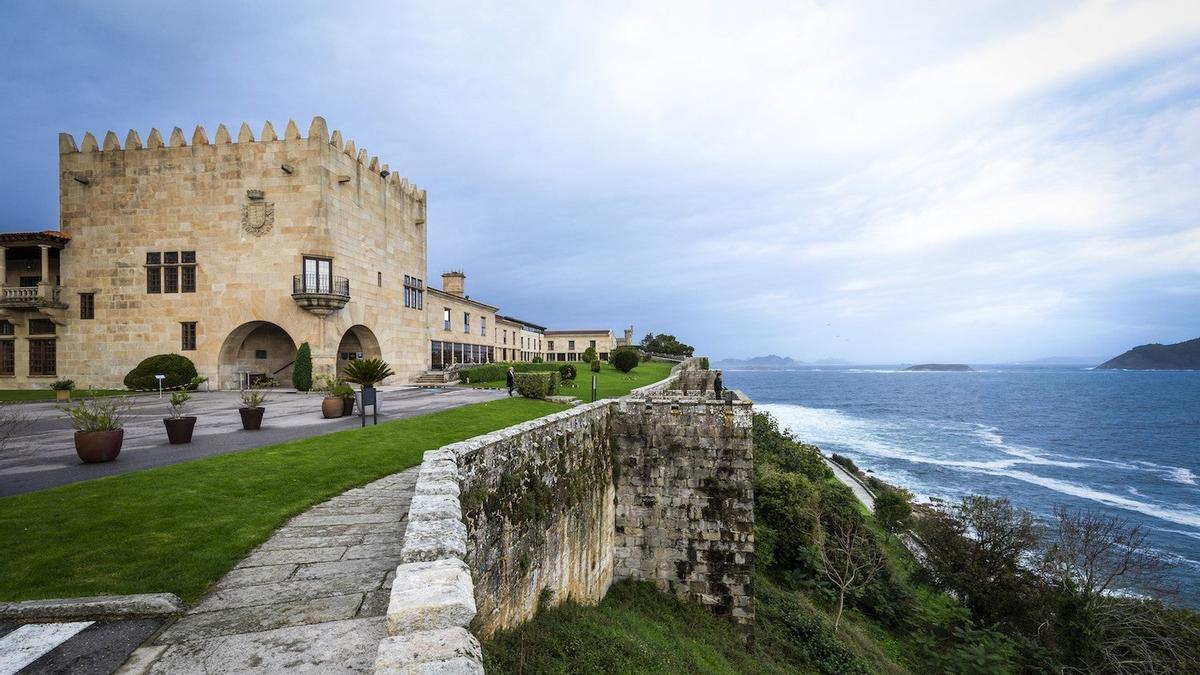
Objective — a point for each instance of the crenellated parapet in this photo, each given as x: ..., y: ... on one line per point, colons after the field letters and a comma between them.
x: 317, y: 132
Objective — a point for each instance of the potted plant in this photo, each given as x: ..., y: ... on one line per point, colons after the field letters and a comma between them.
x: 99, y: 429
x: 331, y: 405
x: 252, y: 407
x: 179, y: 427
x: 346, y: 393
x: 62, y: 389
x: 367, y: 372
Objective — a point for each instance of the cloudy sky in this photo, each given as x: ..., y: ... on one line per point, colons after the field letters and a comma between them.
x: 881, y: 182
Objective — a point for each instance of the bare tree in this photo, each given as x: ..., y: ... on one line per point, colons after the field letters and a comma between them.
x: 850, y: 557
x: 13, y: 422
x: 1094, y: 554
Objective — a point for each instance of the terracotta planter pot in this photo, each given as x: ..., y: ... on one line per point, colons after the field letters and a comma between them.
x: 94, y: 447
x: 62, y: 394
x: 348, y: 406
x: 179, y: 430
x: 251, y: 418
x: 331, y: 407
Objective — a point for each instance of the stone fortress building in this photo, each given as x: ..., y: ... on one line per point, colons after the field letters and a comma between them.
x: 233, y: 251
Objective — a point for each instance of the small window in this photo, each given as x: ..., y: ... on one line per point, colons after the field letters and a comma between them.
x: 187, y: 334
x: 483, y: 325
x: 379, y: 279
x: 153, y: 258
x: 570, y: 345
x: 8, y: 358
x: 154, y: 280
x: 188, y: 257
x: 42, y: 357
x: 550, y: 345
x: 260, y: 354
x: 87, y: 306
x: 466, y: 322
x: 446, y: 318
x: 6, y: 327
x: 187, y: 279
x: 592, y: 344
x: 171, y: 258
x: 170, y: 279
x: 41, y: 327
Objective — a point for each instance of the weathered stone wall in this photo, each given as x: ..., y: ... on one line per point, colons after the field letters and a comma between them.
x: 656, y: 487
x: 685, y: 499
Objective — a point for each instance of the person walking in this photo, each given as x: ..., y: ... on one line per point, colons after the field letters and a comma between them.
x: 511, y: 380
x: 718, y: 385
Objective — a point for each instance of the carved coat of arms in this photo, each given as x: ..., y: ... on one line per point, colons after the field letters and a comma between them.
x: 257, y: 216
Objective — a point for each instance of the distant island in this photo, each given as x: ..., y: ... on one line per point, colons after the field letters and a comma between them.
x: 1179, y: 356
x: 775, y: 362
x: 942, y: 367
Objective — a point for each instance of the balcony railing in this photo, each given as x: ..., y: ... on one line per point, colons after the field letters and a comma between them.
x: 319, y: 293
x: 31, y: 296
x: 320, y: 284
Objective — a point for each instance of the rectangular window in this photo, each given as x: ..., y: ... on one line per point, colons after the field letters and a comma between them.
x: 505, y: 332
x: 379, y: 279
x: 154, y: 280
x: 153, y: 258
x: 187, y: 257
x: 87, y: 306
x: 187, y: 279
x: 483, y: 325
x: 29, y: 282
x: 466, y: 322
x: 260, y: 354
x: 42, y: 357
x: 446, y: 318
x: 41, y: 327
x: 550, y: 345
x: 318, y: 275
x: 170, y: 279
x: 8, y: 357
x: 6, y: 327
x: 570, y: 345
x: 187, y: 334
x: 592, y: 344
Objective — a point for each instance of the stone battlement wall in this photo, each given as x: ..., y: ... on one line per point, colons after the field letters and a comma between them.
x: 656, y: 486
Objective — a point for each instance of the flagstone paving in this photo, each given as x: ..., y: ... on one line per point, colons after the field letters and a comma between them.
x: 310, y: 599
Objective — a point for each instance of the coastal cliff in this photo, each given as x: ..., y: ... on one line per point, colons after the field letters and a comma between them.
x: 1179, y: 356
x: 941, y: 368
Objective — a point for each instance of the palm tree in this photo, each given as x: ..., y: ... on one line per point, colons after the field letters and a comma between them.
x: 367, y: 371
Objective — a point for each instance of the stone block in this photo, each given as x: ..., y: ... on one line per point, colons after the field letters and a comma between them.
x: 434, y: 507
x: 433, y: 539
x: 451, y: 651
x: 430, y: 596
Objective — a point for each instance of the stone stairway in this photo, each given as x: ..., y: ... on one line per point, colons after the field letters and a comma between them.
x: 432, y: 378
x: 311, y: 599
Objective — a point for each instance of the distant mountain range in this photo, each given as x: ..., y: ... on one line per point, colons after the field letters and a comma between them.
x: 1179, y: 356
x: 775, y: 362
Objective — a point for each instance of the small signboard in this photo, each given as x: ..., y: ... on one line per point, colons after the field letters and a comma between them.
x: 367, y: 397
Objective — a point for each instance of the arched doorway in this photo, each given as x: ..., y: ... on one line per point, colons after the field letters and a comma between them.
x: 254, y: 351
x: 358, y: 342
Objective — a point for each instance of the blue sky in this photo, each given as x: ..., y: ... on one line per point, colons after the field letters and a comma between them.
x: 985, y: 182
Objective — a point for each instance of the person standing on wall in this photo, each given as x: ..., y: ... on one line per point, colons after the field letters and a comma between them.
x: 511, y: 381
x: 718, y: 385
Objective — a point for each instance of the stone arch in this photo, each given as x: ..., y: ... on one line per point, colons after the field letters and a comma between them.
x: 256, y: 349
x: 358, y: 342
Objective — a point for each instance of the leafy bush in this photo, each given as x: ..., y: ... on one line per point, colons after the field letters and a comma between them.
x: 893, y: 509
x: 368, y: 371
x: 302, y: 378
x: 536, y: 385
x: 253, y: 397
x: 180, y: 372
x: 98, y: 414
x: 538, y: 359
x: 62, y: 385
x: 178, y: 400
x: 703, y: 363
x: 566, y: 371
x: 590, y: 355
x: 624, y: 358
x: 845, y: 462
x: 596, y: 366
x: 495, y: 372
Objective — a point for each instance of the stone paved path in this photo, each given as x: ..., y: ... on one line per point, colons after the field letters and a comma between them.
x: 311, y: 599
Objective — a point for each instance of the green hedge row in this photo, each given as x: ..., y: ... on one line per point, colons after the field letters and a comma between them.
x: 494, y: 372
x: 536, y: 385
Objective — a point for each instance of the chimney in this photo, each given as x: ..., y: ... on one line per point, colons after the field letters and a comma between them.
x: 454, y: 283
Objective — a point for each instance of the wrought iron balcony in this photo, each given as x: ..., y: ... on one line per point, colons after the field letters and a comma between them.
x: 320, y: 294
x: 31, y: 296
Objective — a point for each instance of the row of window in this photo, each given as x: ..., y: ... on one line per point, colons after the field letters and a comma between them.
x: 526, y: 341
x: 414, y: 292
x: 466, y: 322
x: 42, y: 357
x: 170, y: 271
x: 570, y: 345
x: 443, y: 354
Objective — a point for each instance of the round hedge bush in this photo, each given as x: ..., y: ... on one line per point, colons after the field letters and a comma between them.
x: 596, y: 366
x: 566, y: 371
x: 179, y: 371
x: 624, y: 359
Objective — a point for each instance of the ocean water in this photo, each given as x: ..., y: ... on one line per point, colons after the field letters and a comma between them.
x: 1125, y: 442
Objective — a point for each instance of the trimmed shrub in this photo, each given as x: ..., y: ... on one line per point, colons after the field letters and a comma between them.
x: 596, y: 366
x: 536, y: 385
x: 566, y: 371
x: 624, y: 359
x: 302, y: 371
x: 538, y: 359
x: 179, y: 371
x: 494, y: 372
x: 589, y: 355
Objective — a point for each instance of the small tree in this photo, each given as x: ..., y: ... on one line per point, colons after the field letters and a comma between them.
x: 850, y: 558
x: 589, y: 355
x: 624, y: 359
x: 893, y: 509
x: 302, y: 371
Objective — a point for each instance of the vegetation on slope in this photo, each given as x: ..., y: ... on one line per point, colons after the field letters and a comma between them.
x: 1179, y: 356
x: 181, y: 527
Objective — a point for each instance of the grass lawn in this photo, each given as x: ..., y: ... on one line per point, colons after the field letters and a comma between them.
x: 47, y: 394
x: 179, y: 528
x: 610, y: 382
